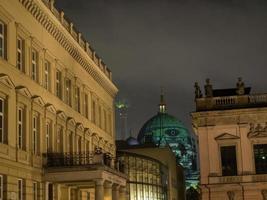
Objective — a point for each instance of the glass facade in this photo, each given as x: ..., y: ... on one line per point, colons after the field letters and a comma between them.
x: 148, y: 178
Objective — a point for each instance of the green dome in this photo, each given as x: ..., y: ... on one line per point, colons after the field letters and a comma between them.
x: 161, y: 128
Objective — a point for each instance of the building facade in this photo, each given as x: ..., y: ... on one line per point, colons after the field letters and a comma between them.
x: 57, y: 138
x: 153, y: 173
x: 231, y: 128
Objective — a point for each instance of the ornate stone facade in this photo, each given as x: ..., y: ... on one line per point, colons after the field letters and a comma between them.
x: 56, y: 110
x: 231, y: 129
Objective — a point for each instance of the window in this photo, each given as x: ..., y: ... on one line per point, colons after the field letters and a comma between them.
x: 68, y: 91
x: 2, y: 120
x: 58, y: 84
x: 48, y: 137
x: 260, y: 156
x: 50, y: 191
x: 105, y: 120
x: 100, y: 116
x: 77, y: 99
x: 86, y: 113
x: 20, y: 54
x: 3, y: 40
x: 228, y: 159
x: 93, y: 112
x: 70, y: 142
x: 47, y: 75
x: 20, y: 189
x: 1, y: 187
x: 79, y: 144
x: 87, y: 195
x: 60, y: 139
x: 35, y: 134
x: 20, y: 128
x: 35, y: 191
x: 109, y: 123
x: 34, y: 65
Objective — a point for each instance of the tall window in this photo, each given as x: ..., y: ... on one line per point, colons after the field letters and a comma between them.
x: 34, y: 65
x: 228, y: 159
x: 93, y: 112
x: 1, y: 187
x: 20, y: 189
x: 20, y: 128
x: 86, y: 113
x: 20, y: 54
x: 68, y: 91
x: 100, y: 116
x: 3, y: 40
x: 35, y: 134
x: 260, y: 156
x: 2, y: 120
x: 35, y: 191
x: 71, y: 142
x: 60, y: 139
x: 79, y: 144
x: 105, y: 120
x: 109, y: 123
x: 47, y: 75
x: 50, y: 191
x: 48, y: 137
x: 58, y: 84
x: 77, y: 99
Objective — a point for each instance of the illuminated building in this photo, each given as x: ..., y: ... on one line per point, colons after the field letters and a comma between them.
x: 232, y: 133
x: 153, y: 173
x: 57, y: 137
x: 165, y: 130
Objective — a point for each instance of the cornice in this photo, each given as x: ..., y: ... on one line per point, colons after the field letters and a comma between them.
x: 53, y: 26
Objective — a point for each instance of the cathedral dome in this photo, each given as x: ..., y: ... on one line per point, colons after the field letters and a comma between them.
x: 163, y: 128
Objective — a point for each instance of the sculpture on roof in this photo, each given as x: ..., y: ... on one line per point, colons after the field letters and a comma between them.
x: 198, y: 93
x: 240, y: 87
x: 208, y: 88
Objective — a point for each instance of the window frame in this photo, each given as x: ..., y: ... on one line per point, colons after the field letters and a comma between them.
x: 3, y: 37
x: 20, y: 128
x: 35, y: 190
x: 1, y: 187
x: 236, y: 158
x: 35, y: 132
x: 20, y: 189
x: 47, y: 72
x: 78, y: 99
x: 58, y: 84
x: 68, y: 91
x: 2, y: 118
x: 86, y: 109
x: 34, y: 65
x: 20, y: 53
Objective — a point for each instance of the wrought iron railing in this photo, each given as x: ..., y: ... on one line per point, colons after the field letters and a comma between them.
x: 82, y: 159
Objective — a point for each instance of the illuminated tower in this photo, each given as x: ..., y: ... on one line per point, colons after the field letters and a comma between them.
x: 122, y: 115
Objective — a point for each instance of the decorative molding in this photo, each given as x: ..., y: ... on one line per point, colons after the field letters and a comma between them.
x: 257, y: 131
x: 5, y: 79
x: 23, y: 91
x: 62, y: 39
x: 231, y: 195
x: 226, y: 136
x: 49, y: 107
x: 37, y: 99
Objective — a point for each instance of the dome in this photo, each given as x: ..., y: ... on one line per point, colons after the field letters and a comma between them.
x: 163, y: 128
x: 132, y: 141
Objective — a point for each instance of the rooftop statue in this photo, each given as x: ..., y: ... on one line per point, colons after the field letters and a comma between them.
x: 240, y: 87
x: 198, y: 93
x: 208, y: 88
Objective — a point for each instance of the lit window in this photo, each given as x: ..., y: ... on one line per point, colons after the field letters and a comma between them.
x: 86, y: 106
x: 34, y: 65
x: 93, y: 112
x: 260, y: 156
x: 68, y: 91
x: 35, y: 191
x: 228, y: 159
x: 35, y: 134
x: 3, y: 40
x: 2, y: 120
x: 47, y: 75
x: 20, y: 54
x: 77, y: 99
x: 58, y: 84
x: 48, y: 136
x: 1, y: 187
x: 20, y: 189
x: 20, y: 128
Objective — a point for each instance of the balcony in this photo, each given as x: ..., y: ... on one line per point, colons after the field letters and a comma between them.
x: 83, y: 167
x: 238, y: 179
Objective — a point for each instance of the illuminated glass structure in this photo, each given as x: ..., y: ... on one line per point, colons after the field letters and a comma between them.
x: 165, y: 130
x: 148, y: 178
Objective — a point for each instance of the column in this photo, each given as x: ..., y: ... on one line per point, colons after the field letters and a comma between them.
x: 108, y: 191
x: 122, y: 195
x: 99, y: 189
x: 115, y: 192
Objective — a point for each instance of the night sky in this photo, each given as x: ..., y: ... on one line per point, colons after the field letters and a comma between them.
x: 150, y: 44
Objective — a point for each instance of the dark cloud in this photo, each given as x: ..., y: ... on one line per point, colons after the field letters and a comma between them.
x: 173, y: 43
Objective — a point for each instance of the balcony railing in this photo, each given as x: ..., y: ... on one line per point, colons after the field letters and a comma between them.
x: 82, y: 159
x: 231, y: 102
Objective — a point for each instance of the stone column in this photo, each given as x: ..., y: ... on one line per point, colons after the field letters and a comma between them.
x: 122, y: 195
x: 108, y: 191
x: 99, y: 189
x: 115, y: 192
